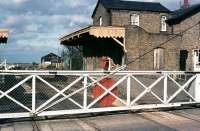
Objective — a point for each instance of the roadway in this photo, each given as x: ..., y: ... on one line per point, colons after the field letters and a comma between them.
x: 174, y: 120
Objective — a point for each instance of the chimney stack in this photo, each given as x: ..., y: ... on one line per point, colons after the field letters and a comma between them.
x: 186, y: 4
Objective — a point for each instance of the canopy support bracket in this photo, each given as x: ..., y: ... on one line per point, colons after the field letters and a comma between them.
x: 120, y: 43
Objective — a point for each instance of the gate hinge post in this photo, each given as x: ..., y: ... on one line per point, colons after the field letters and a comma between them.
x: 85, y: 82
x: 33, y: 94
x: 165, y: 96
x: 197, y: 88
x: 129, y: 90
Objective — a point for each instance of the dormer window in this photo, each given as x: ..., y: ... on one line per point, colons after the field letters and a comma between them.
x: 135, y: 19
x: 163, y: 23
x: 100, y: 21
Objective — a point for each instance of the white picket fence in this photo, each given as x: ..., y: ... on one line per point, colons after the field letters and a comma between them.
x: 47, y: 93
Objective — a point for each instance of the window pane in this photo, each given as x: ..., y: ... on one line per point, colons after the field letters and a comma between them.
x: 134, y: 19
x: 163, y: 23
x: 100, y: 21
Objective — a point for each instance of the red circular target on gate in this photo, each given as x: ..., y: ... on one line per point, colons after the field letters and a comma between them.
x: 108, y: 99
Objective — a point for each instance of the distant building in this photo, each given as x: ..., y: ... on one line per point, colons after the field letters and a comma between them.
x: 51, y: 61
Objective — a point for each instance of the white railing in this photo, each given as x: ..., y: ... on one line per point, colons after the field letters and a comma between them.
x: 46, y: 93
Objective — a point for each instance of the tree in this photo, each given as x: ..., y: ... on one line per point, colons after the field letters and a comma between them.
x: 72, y: 57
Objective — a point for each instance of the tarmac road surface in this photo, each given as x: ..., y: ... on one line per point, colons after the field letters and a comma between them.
x: 176, y: 120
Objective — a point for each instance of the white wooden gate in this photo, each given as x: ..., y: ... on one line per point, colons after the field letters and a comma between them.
x: 46, y: 93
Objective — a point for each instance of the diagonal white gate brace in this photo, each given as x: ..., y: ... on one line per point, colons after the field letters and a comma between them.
x: 59, y: 93
x: 46, y: 93
x: 182, y: 88
x: 104, y: 88
x: 147, y: 90
x: 13, y: 88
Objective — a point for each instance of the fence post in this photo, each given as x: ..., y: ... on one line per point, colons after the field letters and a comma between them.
x: 165, y: 89
x: 85, y: 91
x: 33, y: 94
x: 129, y: 90
x: 197, y: 88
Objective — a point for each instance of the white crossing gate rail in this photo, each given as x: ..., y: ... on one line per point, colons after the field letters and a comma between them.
x: 47, y: 93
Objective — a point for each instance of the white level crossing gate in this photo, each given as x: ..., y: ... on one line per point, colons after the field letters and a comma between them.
x: 47, y: 93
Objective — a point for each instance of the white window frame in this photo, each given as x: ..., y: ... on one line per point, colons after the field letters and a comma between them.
x: 100, y: 21
x: 158, y: 58
x: 197, y: 55
x: 163, y: 24
x: 135, y: 19
x: 196, y: 59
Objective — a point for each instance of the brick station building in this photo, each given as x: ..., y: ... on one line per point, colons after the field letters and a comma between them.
x: 144, y: 35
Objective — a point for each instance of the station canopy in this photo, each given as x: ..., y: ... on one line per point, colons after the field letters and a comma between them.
x: 98, y: 41
x: 92, y: 32
x: 4, y: 35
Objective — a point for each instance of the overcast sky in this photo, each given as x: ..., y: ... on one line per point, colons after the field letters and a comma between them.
x: 36, y: 25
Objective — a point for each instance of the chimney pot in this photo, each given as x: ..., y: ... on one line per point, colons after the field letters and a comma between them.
x: 186, y: 4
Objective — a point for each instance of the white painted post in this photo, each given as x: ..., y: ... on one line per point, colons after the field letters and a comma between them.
x: 197, y: 88
x: 33, y: 94
x: 165, y: 89
x: 129, y: 90
x: 85, y: 92
x: 5, y: 65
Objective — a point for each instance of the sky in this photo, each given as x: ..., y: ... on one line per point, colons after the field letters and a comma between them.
x: 36, y: 25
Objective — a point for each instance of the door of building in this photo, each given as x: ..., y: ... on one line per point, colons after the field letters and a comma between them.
x: 183, y: 59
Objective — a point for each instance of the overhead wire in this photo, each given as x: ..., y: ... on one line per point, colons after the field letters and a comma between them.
x: 163, y: 43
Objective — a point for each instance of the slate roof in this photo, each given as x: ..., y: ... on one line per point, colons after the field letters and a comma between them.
x: 182, y: 14
x: 132, y: 5
x: 51, y: 56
